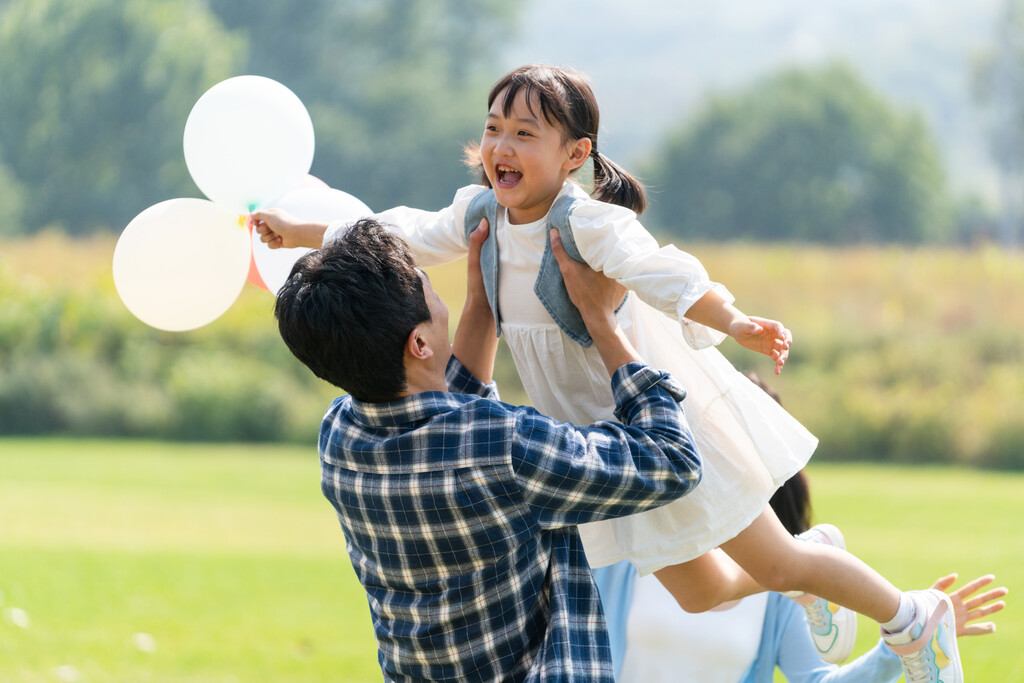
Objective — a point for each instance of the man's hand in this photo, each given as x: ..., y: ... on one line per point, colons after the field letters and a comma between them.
x: 596, y: 297
x: 278, y: 229
x: 764, y: 336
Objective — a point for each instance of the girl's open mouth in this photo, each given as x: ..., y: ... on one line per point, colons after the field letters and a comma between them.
x: 508, y: 177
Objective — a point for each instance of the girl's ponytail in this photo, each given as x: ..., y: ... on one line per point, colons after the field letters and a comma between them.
x: 614, y: 185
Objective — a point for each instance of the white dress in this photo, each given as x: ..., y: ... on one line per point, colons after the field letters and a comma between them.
x: 749, y: 445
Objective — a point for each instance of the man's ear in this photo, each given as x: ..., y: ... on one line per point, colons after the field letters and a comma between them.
x: 579, y: 151
x: 417, y: 346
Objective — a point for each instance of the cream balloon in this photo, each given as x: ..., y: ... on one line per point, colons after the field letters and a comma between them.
x: 313, y: 204
x: 181, y: 263
x: 248, y: 140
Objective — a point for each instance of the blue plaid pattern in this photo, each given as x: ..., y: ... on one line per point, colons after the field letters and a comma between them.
x: 459, y: 516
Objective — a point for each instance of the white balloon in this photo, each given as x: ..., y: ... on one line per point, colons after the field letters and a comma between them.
x: 181, y: 263
x: 248, y: 141
x: 313, y: 204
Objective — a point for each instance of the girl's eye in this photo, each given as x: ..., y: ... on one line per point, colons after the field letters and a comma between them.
x: 490, y: 128
x: 524, y: 133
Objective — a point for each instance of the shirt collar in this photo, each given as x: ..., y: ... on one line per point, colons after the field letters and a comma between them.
x: 406, y: 410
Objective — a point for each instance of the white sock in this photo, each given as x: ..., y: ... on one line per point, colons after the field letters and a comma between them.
x: 905, y: 614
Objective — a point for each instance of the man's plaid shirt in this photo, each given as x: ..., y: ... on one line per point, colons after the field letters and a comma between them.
x: 460, y: 513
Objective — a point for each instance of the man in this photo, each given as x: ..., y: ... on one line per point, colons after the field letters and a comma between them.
x: 459, y: 511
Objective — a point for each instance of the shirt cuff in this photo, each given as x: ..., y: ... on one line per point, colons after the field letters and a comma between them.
x: 462, y: 381
x: 699, y: 336
x: 633, y: 379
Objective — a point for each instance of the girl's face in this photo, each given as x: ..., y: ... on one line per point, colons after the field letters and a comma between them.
x: 526, y: 158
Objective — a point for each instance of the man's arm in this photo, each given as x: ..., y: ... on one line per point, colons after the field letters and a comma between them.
x: 475, y: 343
x: 571, y: 475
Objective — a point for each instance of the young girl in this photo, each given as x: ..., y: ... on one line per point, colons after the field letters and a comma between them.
x: 721, y: 542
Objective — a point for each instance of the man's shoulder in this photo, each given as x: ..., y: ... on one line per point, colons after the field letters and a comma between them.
x: 443, y: 430
x: 424, y: 413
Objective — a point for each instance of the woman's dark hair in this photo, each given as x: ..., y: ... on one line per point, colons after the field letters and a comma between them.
x: 567, y: 101
x: 346, y: 311
x: 792, y: 501
x: 792, y: 504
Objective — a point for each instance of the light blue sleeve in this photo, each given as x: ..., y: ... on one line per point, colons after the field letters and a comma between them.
x: 786, y: 643
x: 615, y: 584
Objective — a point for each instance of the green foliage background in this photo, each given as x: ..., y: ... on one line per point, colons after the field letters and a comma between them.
x: 96, y: 94
x: 809, y: 155
x: 901, y: 354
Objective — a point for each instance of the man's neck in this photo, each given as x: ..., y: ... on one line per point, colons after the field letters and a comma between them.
x: 423, y: 376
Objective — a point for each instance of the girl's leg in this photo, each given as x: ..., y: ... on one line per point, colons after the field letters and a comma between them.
x: 707, y: 581
x: 779, y: 562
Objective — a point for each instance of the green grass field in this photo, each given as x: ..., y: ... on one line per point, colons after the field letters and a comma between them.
x: 142, y: 561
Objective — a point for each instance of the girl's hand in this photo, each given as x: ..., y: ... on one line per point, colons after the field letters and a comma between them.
x: 278, y: 229
x: 968, y: 609
x: 765, y: 336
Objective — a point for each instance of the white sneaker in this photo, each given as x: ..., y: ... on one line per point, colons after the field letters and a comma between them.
x: 927, y: 648
x: 833, y: 628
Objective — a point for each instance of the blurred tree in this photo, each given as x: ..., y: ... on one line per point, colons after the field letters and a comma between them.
x: 999, y: 86
x: 394, y: 88
x: 95, y: 97
x: 809, y: 155
x: 12, y: 198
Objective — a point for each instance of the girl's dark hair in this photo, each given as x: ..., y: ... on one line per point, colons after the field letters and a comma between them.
x: 346, y: 311
x: 792, y: 504
x: 567, y: 101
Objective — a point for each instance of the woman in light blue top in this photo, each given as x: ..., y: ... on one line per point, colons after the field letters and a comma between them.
x: 653, y: 640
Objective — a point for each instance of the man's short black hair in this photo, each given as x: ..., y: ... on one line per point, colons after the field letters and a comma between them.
x: 347, y: 309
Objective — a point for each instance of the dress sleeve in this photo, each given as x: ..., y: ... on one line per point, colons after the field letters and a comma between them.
x: 435, y: 237
x: 612, y: 240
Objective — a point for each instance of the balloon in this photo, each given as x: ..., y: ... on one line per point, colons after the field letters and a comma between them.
x: 314, y: 204
x: 181, y: 263
x: 248, y: 141
x: 253, y: 276
x: 311, y: 181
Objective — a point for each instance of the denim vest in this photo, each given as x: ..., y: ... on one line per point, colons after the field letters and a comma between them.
x: 549, y: 286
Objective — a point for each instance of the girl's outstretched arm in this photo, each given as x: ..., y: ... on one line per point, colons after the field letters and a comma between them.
x: 611, y: 240
x: 279, y: 229
x: 765, y: 336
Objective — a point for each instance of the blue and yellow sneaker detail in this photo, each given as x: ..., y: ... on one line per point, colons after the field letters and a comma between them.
x: 927, y: 648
